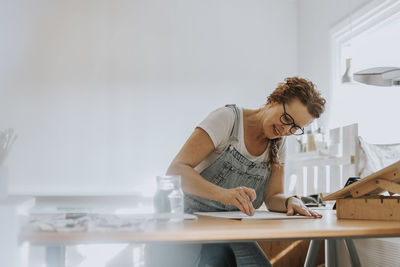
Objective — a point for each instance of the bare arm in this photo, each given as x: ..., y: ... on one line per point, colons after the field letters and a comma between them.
x: 275, y: 199
x: 195, y: 150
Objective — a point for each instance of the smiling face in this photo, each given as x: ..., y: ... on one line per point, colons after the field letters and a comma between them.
x: 272, y: 125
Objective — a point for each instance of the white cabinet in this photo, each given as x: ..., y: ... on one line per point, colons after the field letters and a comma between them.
x: 322, y: 170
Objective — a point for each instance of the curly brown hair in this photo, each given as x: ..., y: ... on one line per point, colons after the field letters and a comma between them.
x: 302, y: 89
x: 294, y: 88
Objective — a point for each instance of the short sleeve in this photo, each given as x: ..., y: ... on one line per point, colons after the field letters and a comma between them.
x: 218, y: 125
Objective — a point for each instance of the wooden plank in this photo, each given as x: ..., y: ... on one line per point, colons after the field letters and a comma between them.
x: 289, y: 253
x: 388, y: 186
x: 369, y: 208
x: 345, y: 192
x: 392, y: 175
x: 364, y: 189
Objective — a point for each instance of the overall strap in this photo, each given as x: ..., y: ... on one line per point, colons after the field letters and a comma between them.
x: 235, y: 129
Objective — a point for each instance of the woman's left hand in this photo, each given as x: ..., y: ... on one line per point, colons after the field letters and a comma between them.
x: 295, y: 205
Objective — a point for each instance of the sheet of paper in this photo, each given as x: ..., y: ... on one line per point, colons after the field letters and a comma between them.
x: 258, y: 215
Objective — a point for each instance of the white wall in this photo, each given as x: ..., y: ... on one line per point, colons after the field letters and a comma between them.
x: 316, y: 19
x: 104, y: 93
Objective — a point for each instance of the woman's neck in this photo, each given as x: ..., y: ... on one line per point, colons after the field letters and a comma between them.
x: 253, y: 124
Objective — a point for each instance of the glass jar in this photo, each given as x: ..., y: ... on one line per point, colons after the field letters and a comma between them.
x: 168, y: 200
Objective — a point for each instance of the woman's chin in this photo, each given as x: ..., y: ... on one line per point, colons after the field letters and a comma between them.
x: 273, y: 136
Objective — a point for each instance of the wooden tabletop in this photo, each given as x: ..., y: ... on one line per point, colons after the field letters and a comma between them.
x: 207, y: 229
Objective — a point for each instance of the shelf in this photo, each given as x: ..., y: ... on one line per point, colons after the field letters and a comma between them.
x: 313, y: 158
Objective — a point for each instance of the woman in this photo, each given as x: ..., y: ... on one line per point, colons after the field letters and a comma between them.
x: 234, y: 161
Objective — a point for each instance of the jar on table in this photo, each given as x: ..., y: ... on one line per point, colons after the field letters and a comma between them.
x: 168, y: 200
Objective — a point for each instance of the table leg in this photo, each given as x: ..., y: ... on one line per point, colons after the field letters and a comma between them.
x: 55, y: 256
x: 312, y: 253
x: 331, y: 253
x: 355, y: 261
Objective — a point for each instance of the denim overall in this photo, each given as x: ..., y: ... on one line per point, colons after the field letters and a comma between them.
x: 231, y: 169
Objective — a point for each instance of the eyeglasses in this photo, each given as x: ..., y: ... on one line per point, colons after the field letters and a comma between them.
x: 286, y: 119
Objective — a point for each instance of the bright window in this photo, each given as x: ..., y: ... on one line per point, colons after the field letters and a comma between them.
x: 375, y: 109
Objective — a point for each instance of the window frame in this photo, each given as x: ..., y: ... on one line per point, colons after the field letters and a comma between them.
x: 374, y: 14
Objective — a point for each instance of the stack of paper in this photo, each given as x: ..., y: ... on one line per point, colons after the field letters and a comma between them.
x: 259, y: 214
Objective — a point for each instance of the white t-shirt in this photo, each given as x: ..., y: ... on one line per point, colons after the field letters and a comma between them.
x: 218, y: 125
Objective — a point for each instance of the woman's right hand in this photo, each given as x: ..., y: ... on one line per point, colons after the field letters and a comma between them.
x: 241, y: 197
